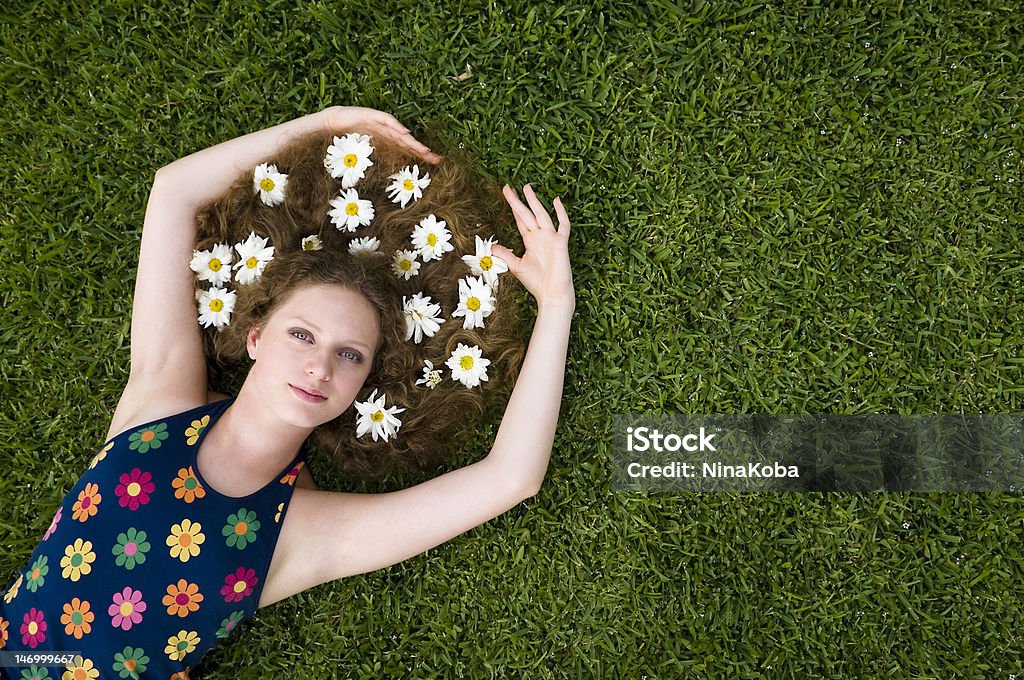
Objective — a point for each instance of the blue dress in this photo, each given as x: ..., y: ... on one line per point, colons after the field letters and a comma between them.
x: 145, y: 568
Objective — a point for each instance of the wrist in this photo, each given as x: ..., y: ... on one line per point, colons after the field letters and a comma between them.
x: 562, y: 303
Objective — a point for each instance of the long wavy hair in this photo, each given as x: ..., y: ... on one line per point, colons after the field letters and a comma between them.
x: 458, y: 195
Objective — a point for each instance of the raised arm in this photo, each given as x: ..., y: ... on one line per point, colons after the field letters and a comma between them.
x: 332, y: 535
x: 168, y: 370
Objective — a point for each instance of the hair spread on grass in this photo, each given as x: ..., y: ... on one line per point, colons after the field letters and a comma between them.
x: 458, y: 195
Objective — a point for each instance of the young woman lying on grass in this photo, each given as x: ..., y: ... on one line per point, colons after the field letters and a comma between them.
x: 356, y: 271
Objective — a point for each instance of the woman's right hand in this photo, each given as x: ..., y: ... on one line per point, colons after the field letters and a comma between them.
x: 377, y: 123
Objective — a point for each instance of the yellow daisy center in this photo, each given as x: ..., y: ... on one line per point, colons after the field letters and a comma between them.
x: 215, y: 265
x: 486, y: 263
x: 408, y: 185
x: 466, y: 362
x: 252, y: 262
x: 405, y: 265
x: 216, y: 305
x: 377, y: 416
x: 431, y: 240
x: 267, y: 184
x: 350, y: 160
x: 309, y: 245
x: 352, y: 208
x: 473, y: 303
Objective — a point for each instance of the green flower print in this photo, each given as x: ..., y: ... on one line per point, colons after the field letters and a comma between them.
x: 36, y: 574
x: 229, y: 624
x: 241, y: 528
x: 148, y: 438
x: 130, y: 662
x: 35, y: 673
x: 130, y: 549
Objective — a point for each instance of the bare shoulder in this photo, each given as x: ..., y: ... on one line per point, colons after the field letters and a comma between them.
x: 142, y: 405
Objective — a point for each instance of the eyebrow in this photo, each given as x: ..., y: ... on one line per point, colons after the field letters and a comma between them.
x: 358, y: 344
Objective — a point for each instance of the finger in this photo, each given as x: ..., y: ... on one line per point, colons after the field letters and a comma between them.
x: 508, y: 256
x: 563, y: 217
x: 524, y: 217
x: 540, y: 213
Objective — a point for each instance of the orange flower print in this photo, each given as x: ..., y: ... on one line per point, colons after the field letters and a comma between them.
x: 289, y: 477
x: 181, y: 675
x: 87, y: 503
x: 196, y: 429
x: 77, y: 618
x: 182, y: 598
x: 4, y: 624
x: 187, y: 486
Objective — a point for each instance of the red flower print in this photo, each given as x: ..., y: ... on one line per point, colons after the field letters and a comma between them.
x: 239, y: 584
x: 290, y: 476
x: 33, y: 628
x: 134, y: 489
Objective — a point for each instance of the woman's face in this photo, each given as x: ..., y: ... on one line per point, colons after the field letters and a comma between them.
x: 313, y: 354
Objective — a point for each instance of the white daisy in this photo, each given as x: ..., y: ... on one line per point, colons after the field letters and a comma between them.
x: 468, y: 366
x: 362, y: 247
x: 253, y: 256
x: 431, y: 376
x: 269, y: 183
x: 476, y: 301
x: 348, y: 158
x: 422, y: 317
x: 408, y: 184
x: 312, y: 242
x: 376, y: 418
x: 213, y: 265
x: 432, y: 238
x: 350, y: 211
x: 484, y: 264
x: 215, y: 307
x: 404, y: 264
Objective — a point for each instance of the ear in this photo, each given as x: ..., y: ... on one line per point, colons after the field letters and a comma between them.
x: 252, y: 338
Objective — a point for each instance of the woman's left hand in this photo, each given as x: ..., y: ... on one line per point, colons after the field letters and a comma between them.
x: 544, y: 268
x: 377, y: 123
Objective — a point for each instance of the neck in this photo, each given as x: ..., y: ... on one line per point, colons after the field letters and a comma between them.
x: 255, y: 434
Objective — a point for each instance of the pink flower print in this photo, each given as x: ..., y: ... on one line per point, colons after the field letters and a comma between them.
x: 127, y: 608
x: 33, y: 628
x: 54, y: 523
x: 239, y: 584
x: 134, y: 489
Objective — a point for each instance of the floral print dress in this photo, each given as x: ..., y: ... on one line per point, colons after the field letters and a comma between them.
x: 145, y: 567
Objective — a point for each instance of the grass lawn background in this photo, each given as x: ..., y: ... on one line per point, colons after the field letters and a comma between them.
x: 777, y: 207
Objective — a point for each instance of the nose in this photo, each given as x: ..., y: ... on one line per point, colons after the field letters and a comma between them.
x: 319, y: 366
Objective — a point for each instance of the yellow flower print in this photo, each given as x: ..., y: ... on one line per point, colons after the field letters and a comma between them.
x: 81, y: 669
x: 12, y: 592
x: 88, y: 501
x: 181, y: 644
x: 277, y: 515
x: 77, y: 560
x: 196, y: 429
x: 101, y: 455
x: 185, y: 539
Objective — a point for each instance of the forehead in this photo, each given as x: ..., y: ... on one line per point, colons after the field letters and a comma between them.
x: 340, y: 313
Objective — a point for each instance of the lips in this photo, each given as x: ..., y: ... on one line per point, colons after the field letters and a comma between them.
x: 310, y: 395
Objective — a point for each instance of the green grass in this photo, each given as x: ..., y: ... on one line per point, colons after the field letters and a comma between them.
x: 777, y: 208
